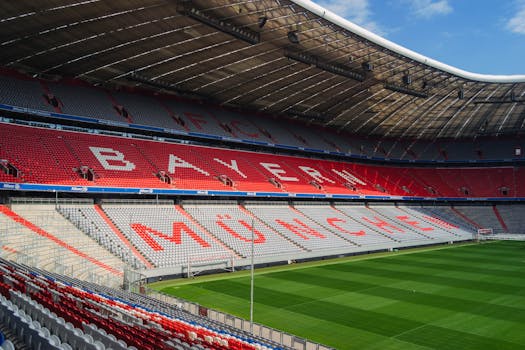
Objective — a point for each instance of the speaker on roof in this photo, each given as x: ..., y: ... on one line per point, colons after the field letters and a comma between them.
x: 367, y: 66
x: 293, y: 37
x: 262, y: 21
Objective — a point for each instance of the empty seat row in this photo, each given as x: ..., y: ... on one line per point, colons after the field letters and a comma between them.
x: 67, y: 158
x: 177, y: 114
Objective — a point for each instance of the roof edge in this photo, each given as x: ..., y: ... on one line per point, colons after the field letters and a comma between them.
x: 354, y: 28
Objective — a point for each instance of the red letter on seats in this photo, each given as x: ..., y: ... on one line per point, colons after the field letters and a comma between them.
x: 196, y: 119
x: 332, y: 222
x: 439, y: 222
x: 260, y: 237
x: 382, y: 224
x: 299, y: 230
x: 146, y: 233
x: 236, y: 125
x: 414, y: 224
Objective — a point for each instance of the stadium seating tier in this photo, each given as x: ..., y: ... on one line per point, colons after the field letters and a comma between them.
x: 124, y: 162
x: 77, y: 98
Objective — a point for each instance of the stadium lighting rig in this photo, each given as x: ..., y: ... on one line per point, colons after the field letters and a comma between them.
x: 205, y: 17
x: 335, y: 68
x: 405, y: 90
x: 510, y: 99
x: 311, y: 116
x: 162, y: 85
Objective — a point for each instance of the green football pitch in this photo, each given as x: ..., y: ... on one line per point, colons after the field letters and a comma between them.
x: 458, y: 298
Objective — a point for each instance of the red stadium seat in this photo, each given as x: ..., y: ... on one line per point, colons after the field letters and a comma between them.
x: 125, y: 162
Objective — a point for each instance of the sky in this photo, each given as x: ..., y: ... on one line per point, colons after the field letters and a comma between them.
x: 479, y: 36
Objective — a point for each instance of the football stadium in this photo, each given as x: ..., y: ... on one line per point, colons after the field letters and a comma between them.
x: 251, y: 174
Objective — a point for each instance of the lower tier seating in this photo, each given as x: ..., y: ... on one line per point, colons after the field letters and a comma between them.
x: 98, y: 242
x: 233, y: 225
x: 51, y: 312
x: 95, y: 242
x: 73, y: 314
x: 162, y: 234
x: 44, y: 240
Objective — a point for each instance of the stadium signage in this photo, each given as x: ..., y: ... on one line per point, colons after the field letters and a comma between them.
x: 179, y: 192
x: 115, y: 160
x: 79, y: 189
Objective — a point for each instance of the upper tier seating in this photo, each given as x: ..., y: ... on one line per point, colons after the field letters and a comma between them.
x: 144, y: 110
x: 23, y: 93
x: 78, y: 98
x: 195, y: 118
x: 85, y: 101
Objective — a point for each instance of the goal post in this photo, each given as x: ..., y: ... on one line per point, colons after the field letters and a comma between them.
x: 484, y: 233
x: 198, y: 263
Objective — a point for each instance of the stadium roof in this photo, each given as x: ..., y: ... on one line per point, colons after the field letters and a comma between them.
x: 277, y: 56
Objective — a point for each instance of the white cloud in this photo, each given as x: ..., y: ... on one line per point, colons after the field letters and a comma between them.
x: 517, y: 23
x: 429, y: 8
x: 357, y: 11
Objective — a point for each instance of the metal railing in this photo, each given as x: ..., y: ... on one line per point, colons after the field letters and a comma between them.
x: 284, y: 339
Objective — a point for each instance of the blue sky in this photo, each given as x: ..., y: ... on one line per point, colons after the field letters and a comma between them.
x: 480, y: 36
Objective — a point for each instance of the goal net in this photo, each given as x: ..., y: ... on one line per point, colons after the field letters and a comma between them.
x: 199, y: 263
x: 484, y: 234
x: 489, y: 234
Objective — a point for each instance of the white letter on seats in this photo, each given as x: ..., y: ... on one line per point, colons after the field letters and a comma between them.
x: 277, y: 171
x: 315, y: 174
x: 176, y: 162
x: 349, y: 177
x: 233, y: 166
x: 105, y: 155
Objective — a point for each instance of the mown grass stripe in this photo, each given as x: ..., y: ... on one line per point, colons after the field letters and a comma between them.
x: 467, y: 298
x: 448, y: 339
x: 442, y: 265
x: 432, y: 279
x: 342, y: 314
x: 487, y: 254
x: 477, y: 307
